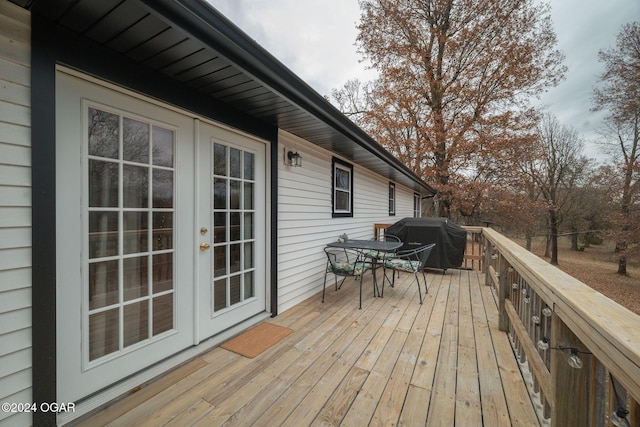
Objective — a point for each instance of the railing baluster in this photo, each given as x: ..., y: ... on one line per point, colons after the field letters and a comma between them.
x: 597, y: 393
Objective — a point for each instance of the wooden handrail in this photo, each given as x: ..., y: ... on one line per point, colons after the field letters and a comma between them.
x: 583, y: 320
x: 609, y: 330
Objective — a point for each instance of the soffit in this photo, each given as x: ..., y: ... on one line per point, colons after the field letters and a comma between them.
x: 193, y: 44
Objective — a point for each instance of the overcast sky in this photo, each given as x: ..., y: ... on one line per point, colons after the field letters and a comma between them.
x: 316, y: 40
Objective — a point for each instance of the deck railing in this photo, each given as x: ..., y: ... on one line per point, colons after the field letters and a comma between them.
x: 578, y: 350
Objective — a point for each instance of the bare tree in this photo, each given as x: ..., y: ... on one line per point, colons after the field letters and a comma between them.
x: 619, y: 94
x: 557, y: 168
x: 452, y: 78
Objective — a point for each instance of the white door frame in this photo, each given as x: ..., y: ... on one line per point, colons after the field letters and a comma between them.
x: 69, y: 246
x: 210, y: 323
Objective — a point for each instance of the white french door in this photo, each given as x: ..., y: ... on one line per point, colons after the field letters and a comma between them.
x: 160, y: 223
x: 232, y: 220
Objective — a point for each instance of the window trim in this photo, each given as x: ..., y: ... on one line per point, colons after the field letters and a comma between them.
x: 417, y: 205
x: 392, y: 199
x: 339, y: 164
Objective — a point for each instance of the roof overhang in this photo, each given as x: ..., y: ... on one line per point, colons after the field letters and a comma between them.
x: 193, y: 44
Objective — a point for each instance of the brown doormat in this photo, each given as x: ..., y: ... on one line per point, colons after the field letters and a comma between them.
x: 256, y: 340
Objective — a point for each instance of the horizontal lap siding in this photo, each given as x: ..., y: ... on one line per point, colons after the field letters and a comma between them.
x: 15, y: 210
x: 305, y: 224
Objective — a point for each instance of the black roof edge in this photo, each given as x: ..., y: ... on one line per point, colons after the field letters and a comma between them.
x: 210, y: 26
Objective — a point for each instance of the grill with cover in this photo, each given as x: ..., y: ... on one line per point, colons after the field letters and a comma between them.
x: 450, y: 239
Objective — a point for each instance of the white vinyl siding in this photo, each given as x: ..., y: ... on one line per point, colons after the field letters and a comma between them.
x: 305, y: 222
x: 15, y: 210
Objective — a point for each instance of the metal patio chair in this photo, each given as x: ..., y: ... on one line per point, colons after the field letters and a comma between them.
x: 344, y: 263
x: 376, y: 258
x: 411, y: 261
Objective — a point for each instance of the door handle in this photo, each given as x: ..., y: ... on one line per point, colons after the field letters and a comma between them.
x: 204, y: 246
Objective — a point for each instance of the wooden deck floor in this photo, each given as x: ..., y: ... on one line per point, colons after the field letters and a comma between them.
x: 395, y: 362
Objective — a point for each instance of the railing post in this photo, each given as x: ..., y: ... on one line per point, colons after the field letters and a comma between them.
x: 569, y: 385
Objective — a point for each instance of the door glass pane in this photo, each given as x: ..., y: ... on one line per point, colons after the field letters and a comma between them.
x: 234, y: 289
x: 163, y: 147
x: 162, y: 230
x: 219, y: 261
x: 249, y: 290
x: 219, y: 294
x: 136, y: 232
x: 248, y: 195
x: 248, y: 166
x: 162, y: 272
x: 103, y: 284
x: 248, y: 255
x: 219, y: 227
x: 103, y: 133
x: 234, y: 195
x: 234, y: 224
x: 248, y: 226
x: 219, y: 193
x: 104, y: 333
x: 135, y: 183
x: 135, y: 277
x: 234, y: 163
x: 162, y: 188
x: 103, y: 184
x: 162, y: 314
x: 103, y: 234
x: 135, y: 144
x: 136, y: 322
x: 219, y: 160
x: 234, y: 255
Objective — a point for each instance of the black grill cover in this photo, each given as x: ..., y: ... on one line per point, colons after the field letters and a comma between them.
x: 450, y: 239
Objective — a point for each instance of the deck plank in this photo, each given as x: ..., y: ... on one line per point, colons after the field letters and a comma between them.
x: 494, y: 405
x: 338, y: 404
x: 521, y: 409
x: 442, y: 413
x: 301, y: 357
x: 123, y: 406
x: 393, y: 399
x: 395, y: 362
x: 468, y: 410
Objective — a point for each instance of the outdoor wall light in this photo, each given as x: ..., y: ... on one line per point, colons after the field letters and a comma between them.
x: 546, y: 311
x: 295, y: 159
x: 535, y: 320
x: 514, y: 286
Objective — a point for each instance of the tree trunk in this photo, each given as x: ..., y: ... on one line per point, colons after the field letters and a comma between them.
x: 529, y: 239
x: 622, y: 265
x: 547, y: 240
x: 553, y: 223
x: 622, y: 258
x: 574, y: 238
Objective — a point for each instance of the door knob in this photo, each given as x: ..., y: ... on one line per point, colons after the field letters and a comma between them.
x: 204, y: 246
